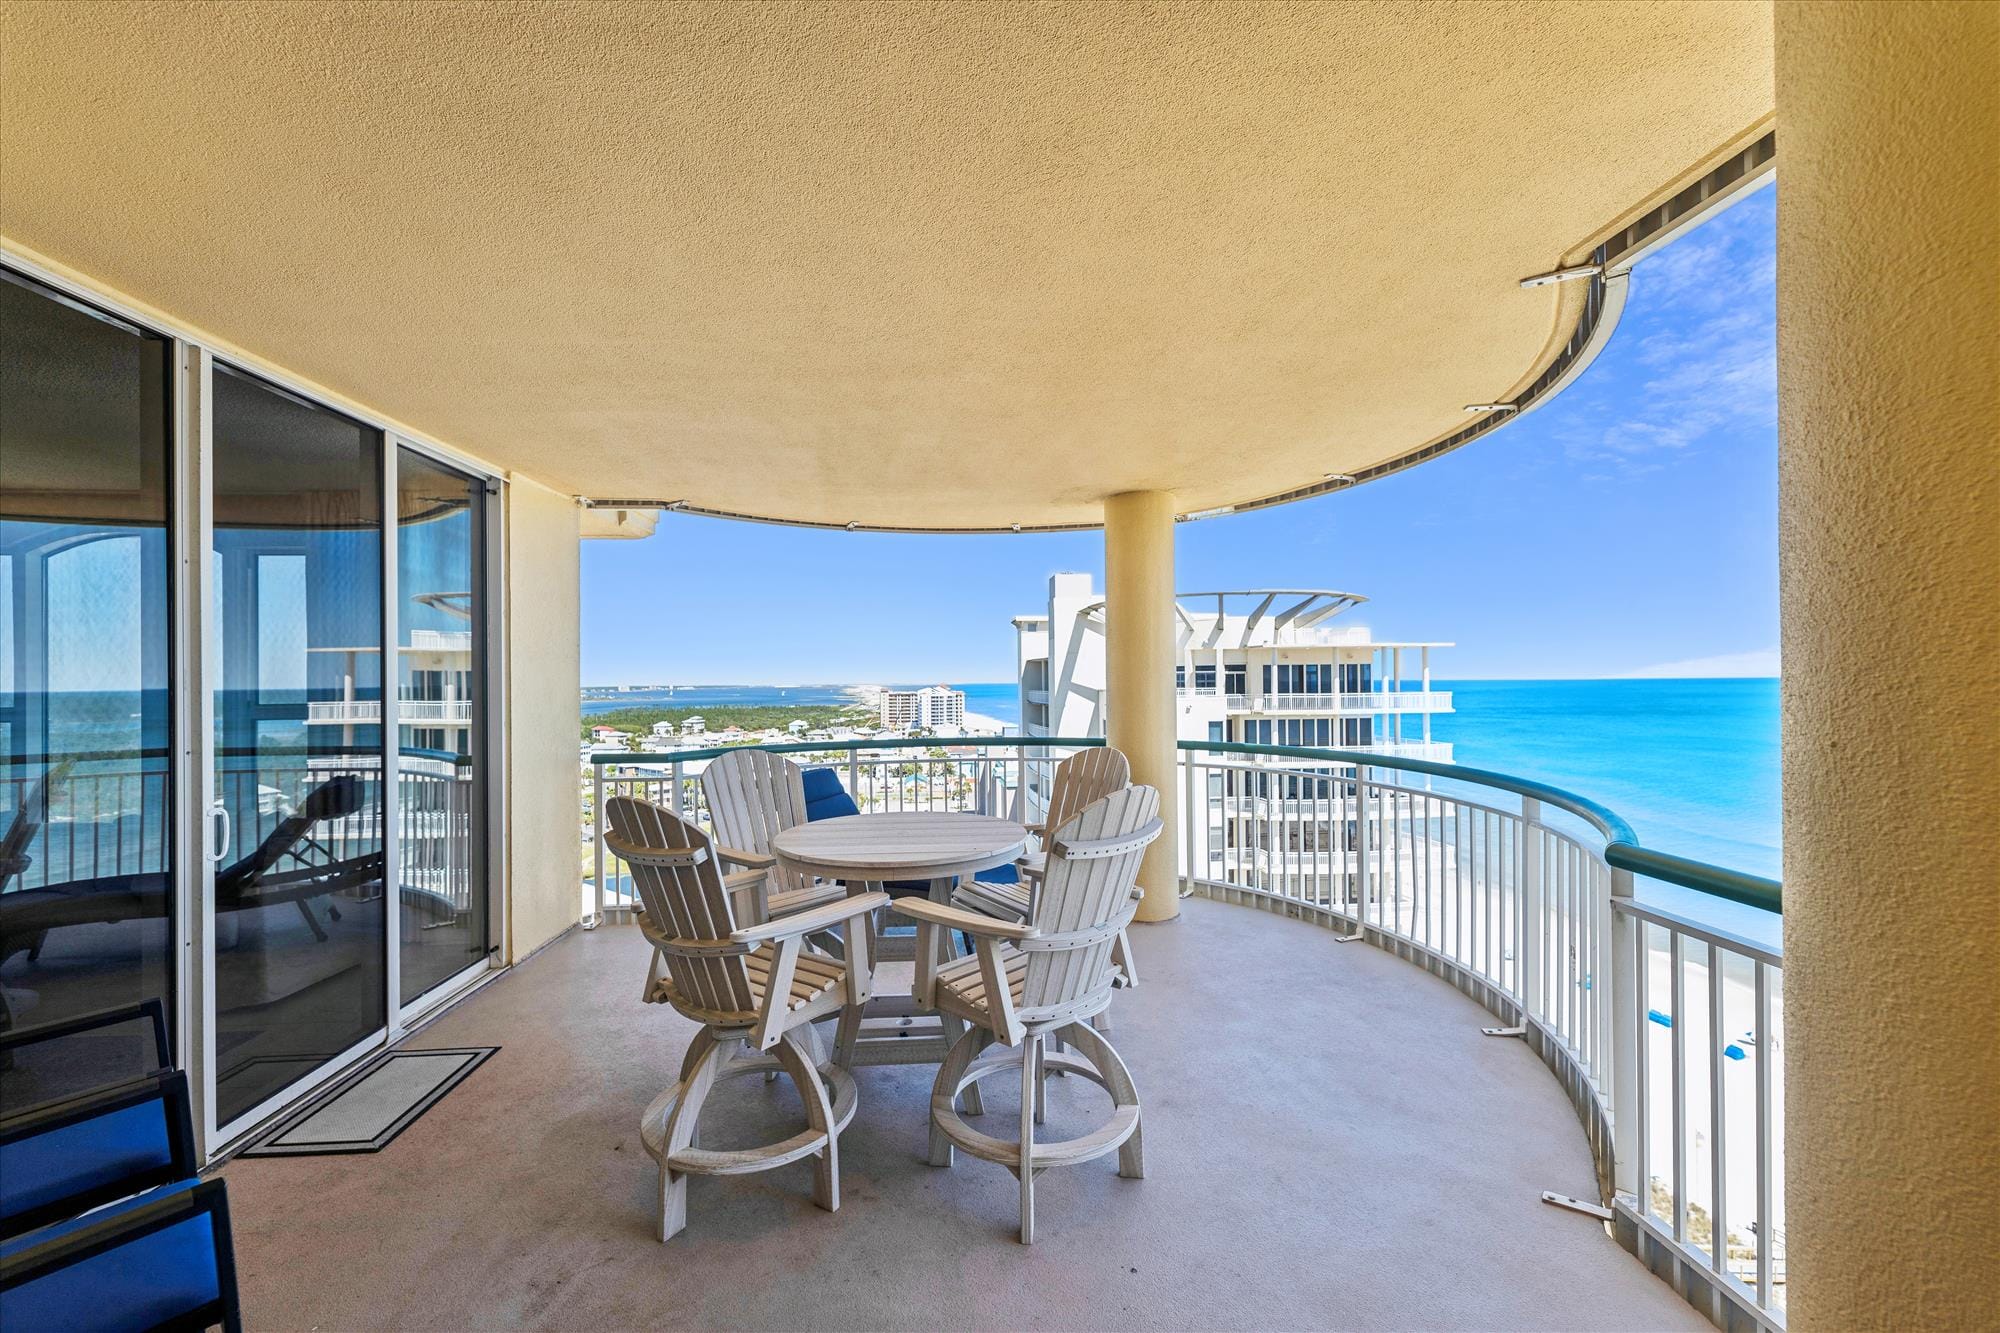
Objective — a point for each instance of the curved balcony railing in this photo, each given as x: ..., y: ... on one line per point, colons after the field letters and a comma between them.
x: 1663, y: 1023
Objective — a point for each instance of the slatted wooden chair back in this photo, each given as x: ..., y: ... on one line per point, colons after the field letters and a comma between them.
x: 1086, y: 898
x: 752, y: 797
x: 1082, y: 780
x: 680, y: 884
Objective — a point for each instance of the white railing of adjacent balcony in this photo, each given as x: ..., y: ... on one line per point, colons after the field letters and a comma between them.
x: 110, y: 817
x: 407, y: 710
x: 1664, y: 1026
x: 1357, y: 705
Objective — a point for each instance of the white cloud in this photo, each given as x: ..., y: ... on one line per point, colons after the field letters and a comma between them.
x: 1701, y: 334
x: 1763, y: 662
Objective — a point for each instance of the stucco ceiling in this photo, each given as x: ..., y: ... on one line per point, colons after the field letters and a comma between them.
x: 965, y: 266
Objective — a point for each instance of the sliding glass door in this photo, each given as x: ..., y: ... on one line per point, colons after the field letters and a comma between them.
x: 285, y: 855
x: 297, y: 873
x: 87, y: 837
x: 441, y: 625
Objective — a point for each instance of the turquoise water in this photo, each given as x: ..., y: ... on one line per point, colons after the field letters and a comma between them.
x: 1691, y: 764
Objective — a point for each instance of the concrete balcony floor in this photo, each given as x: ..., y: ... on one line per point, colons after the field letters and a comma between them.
x: 1330, y: 1142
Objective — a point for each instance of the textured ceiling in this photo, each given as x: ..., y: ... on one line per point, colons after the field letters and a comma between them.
x: 963, y: 266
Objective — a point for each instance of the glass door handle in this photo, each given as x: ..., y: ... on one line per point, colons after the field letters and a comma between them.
x: 223, y: 839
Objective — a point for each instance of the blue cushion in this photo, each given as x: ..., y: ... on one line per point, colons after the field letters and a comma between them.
x: 145, y: 1281
x: 58, y: 1163
x: 825, y: 797
x: 1006, y: 874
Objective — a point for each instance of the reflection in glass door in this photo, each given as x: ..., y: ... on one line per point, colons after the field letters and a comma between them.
x: 440, y: 699
x: 87, y: 891
x: 295, y: 641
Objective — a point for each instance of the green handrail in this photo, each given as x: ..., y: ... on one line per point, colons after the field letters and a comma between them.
x: 1622, y: 848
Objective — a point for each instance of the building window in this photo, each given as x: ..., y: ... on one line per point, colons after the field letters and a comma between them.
x: 1204, y: 678
x: 1233, y: 680
x: 1180, y: 677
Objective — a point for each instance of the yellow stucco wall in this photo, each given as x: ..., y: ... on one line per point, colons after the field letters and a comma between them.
x: 1031, y: 254
x: 1139, y: 671
x: 543, y: 858
x: 1889, y: 315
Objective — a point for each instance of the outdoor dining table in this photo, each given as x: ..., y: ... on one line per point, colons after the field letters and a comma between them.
x: 871, y: 850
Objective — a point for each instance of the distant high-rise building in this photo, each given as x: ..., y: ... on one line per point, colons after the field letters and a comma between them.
x: 933, y: 708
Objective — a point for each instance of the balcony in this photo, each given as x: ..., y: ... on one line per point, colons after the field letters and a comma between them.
x: 1524, y: 899
x: 1139, y: 307
x: 1421, y: 1145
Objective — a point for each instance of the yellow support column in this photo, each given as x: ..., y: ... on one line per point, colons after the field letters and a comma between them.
x: 1139, y: 671
x: 1888, y: 325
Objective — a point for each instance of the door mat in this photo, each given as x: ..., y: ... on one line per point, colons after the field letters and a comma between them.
x: 368, y: 1112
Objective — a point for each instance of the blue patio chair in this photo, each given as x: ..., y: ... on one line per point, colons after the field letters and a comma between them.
x: 102, y: 1224
x: 162, y: 1259
x: 62, y: 1158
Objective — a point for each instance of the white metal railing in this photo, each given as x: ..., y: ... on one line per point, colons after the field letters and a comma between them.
x: 1012, y: 781
x: 1435, y: 751
x: 112, y: 819
x: 407, y: 710
x: 1666, y: 1030
x: 1361, y: 704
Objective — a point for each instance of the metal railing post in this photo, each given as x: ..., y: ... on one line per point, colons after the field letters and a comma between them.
x: 597, y: 847
x: 1187, y: 821
x: 854, y: 775
x: 1364, y: 845
x: 1626, y: 959
x: 1533, y: 923
x: 674, y: 797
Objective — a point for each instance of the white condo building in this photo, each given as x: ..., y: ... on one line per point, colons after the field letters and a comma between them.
x: 1260, y: 666
x: 933, y: 708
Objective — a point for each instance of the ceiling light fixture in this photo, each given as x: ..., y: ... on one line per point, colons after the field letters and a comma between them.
x: 852, y: 526
x: 1340, y: 477
x: 1491, y: 407
x: 1216, y: 512
x: 1554, y: 276
x: 1017, y: 527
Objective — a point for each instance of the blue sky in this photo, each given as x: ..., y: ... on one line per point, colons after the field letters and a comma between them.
x: 1627, y: 528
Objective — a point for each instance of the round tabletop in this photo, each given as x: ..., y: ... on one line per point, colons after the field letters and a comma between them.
x: 915, y: 844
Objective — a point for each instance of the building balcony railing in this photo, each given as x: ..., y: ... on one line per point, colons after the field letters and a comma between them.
x: 110, y: 817
x: 1365, y: 703
x: 408, y: 711
x: 1663, y: 1024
